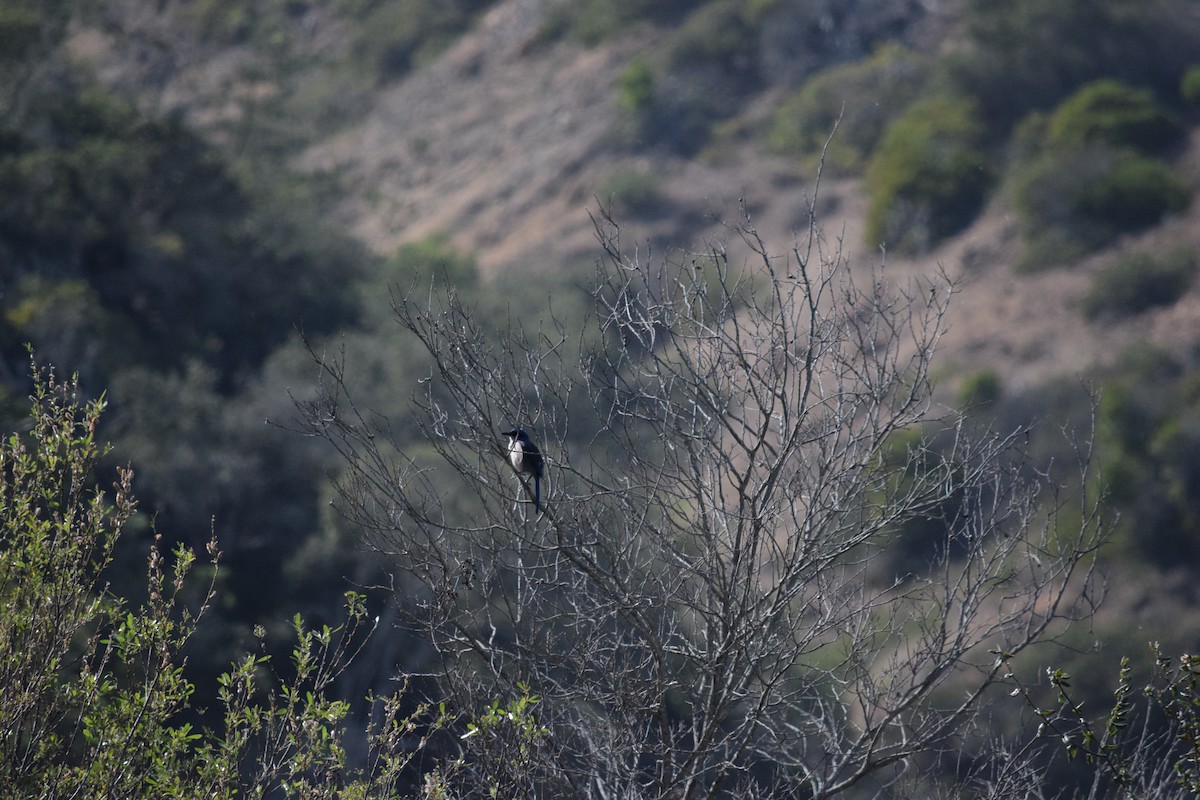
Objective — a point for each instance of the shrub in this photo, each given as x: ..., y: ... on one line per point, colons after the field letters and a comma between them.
x: 866, y: 95
x: 1088, y: 175
x: 928, y: 178
x: 187, y: 251
x: 219, y: 21
x: 633, y: 192
x: 1112, y: 113
x: 710, y: 68
x: 1189, y: 87
x: 635, y: 88
x: 1137, y: 192
x: 1071, y: 202
x: 1044, y: 199
x: 593, y: 22
x: 96, y: 699
x: 435, y: 259
x: 637, y: 101
x: 1025, y: 55
x: 1138, y: 282
x: 398, y: 36
x: 718, y: 34
x: 979, y: 390
x: 1148, y: 739
x: 1148, y: 448
x: 671, y: 110
x: 687, y: 103
x: 70, y: 324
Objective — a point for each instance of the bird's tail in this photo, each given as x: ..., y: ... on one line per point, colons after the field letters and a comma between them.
x: 537, y: 493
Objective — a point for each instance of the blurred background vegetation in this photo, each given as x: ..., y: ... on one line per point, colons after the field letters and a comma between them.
x: 185, y: 273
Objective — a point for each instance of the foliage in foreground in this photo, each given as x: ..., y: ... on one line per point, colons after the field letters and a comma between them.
x: 1147, y: 744
x: 96, y: 698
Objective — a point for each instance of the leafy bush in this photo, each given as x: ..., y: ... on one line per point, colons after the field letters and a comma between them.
x: 633, y: 192
x: 636, y: 87
x: 1112, y: 113
x: 1189, y: 87
x: 866, y: 95
x: 799, y: 39
x: 97, y: 701
x: 66, y: 317
x: 720, y: 34
x: 1025, y: 55
x: 637, y: 101
x: 980, y: 390
x: 593, y: 22
x: 221, y: 21
x: 397, y: 36
x: 1138, y: 282
x: 168, y: 236
x: 707, y: 73
x: 1148, y: 444
x: 1086, y: 174
x: 1070, y: 202
x: 1146, y: 744
x: 433, y: 258
x: 929, y: 176
x: 1136, y: 193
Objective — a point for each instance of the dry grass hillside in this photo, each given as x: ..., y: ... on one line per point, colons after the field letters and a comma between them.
x: 504, y: 143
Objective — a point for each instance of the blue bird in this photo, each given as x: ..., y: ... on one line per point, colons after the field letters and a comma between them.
x: 526, y: 459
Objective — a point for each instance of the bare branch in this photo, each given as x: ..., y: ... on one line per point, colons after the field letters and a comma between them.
x: 707, y: 607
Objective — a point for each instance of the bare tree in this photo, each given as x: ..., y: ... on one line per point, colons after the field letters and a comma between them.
x: 706, y: 607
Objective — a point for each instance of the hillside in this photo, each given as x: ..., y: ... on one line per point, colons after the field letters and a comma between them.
x: 505, y: 142
x: 506, y: 149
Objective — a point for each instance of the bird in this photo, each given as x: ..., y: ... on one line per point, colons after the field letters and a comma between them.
x: 526, y: 459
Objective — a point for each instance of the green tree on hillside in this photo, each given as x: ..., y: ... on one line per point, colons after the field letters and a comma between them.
x: 175, y: 253
x: 1028, y: 55
x: 1094, y: 171
x: 859, y: 98
x: 929, y: 176
x: 1109, y: 112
